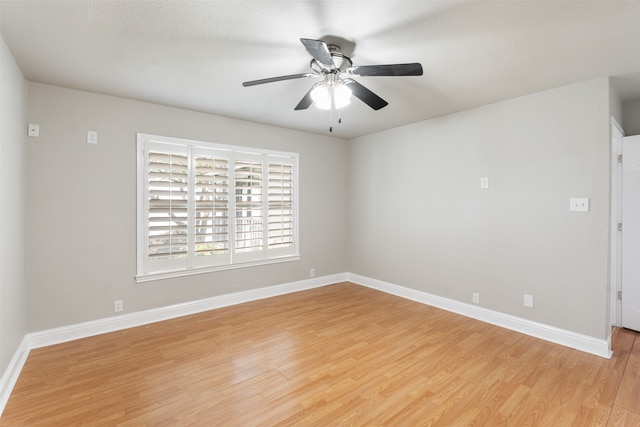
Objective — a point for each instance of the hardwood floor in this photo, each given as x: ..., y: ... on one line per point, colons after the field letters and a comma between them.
x: 337, y: 355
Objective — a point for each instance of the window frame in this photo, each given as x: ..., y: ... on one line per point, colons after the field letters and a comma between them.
x: 233, y: 153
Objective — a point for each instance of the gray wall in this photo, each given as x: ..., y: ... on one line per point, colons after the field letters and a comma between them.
x: 615, y: 103
x: 13, y: 324
x: 81, y: 205
x: 418, y: 218
x: 415, y: 214
x: 631, y: 118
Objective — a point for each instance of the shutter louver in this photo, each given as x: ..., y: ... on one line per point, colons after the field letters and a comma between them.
x: 211, y: 206
x: 280, y: 197
x: 248, y: 221
x: 167, y: 201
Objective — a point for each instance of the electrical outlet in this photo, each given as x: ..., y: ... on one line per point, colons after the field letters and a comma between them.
x: 476, y: 298
x: 117, y: 305
x: 312, y: 272
x: 33, y: 130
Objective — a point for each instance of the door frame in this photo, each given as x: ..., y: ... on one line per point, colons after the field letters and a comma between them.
x: 617, y: 133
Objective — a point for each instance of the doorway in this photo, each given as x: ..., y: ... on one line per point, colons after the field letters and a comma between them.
x: 630, y: 284
x: 625, y: 229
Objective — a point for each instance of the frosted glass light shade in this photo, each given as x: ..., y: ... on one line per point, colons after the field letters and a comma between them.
x: 341, y: 95
x: 321, y: 95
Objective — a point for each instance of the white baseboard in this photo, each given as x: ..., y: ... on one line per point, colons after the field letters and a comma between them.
x: 87, y: 329
x: 116, y: 323
x: 10, y: 375
x: 595, y: 346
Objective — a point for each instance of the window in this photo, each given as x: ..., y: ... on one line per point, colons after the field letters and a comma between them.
x: 205, y: 207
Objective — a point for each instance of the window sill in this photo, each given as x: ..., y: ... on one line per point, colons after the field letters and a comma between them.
x: 149, y: 277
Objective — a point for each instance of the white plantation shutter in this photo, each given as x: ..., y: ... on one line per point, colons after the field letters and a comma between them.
x: 280, y: 196
x: 204, y: 207
x: 249, y: 227
x: 211, y: 207
x: 167, y: 204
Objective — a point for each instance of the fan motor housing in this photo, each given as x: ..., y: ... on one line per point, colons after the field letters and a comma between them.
x: 340, y: 61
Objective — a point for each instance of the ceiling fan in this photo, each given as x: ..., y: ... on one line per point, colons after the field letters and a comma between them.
x: 336, y: 70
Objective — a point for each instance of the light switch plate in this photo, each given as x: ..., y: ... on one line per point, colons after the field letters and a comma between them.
x: 579, y: 204
x: 484, y: 182
x: 92, y: 137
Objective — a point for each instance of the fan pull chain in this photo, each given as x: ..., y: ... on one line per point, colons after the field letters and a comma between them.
x: 333, y: 106
x: 339, y: 111
x: 331, y: 119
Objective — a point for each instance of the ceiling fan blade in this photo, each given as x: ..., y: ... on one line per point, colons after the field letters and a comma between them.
x: 320, y: 51
x: 305, y: 102
x: 414, y: 69
x: 365, y: 95
x: 277, y: 79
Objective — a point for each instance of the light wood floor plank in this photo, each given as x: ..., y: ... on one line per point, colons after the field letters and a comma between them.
x: 628, y: 396
x: 337, y: 355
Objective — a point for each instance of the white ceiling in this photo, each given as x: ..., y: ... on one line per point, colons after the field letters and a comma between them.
x: 196, y: 54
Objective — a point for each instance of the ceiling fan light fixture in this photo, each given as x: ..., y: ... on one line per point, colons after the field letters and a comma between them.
x: 322, y: 93
x: 338, y: 85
